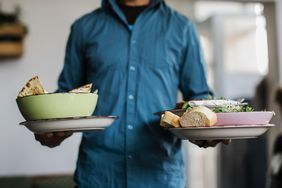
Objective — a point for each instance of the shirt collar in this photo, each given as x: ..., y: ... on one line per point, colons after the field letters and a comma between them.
x: 112, y: 3
x: 114, y: 6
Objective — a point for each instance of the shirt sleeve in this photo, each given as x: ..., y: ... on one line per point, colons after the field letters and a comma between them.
x: 193, y: 81
x: 74, y: 73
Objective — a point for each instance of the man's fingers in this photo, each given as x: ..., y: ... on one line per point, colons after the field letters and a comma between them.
x: 48, y: 135
x: 52, y: 139
x: 68, y: 133
x: 63, y: 134
x: 200, y: 143
x: 193, y: 141
x: 60, y: 134
x: 211, y: 143
x: 227, y: 141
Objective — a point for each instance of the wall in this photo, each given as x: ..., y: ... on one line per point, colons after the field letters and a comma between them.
x: 48, y: 23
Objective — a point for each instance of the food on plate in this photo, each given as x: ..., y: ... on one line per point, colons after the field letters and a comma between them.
x: 83, y: 89
x: 57, y: 105
x: 39, y: 105
x: 219, y: 106
x: 232, y: 108
x: 213, y: 102
x: 198, y: 116
x: 32, y: 87
x: 169, y: 119
x: 206, y: 113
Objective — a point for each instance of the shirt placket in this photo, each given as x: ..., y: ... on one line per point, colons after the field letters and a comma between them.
x: 131, y: 101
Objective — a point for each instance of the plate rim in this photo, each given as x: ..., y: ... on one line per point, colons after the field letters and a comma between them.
x: 205, y: 134
x: 183, y: 110
x: 223, y: 127
x: 70, y: 118
x: 79, y: 129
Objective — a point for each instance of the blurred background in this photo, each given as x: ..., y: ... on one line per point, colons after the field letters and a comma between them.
x: 242, y: 43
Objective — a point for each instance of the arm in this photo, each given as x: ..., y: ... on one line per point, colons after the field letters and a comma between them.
x: 72, y: 75
x: 193, y: 81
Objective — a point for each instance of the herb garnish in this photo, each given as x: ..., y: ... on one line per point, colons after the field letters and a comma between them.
x: 232, y: 108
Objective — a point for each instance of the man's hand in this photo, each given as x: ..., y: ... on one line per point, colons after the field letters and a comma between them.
x: 52, y: 139
x: 209, y: 143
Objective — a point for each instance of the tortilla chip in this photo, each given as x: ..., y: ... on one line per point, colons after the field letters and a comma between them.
x: 32, y: 87
x: 83, y: 89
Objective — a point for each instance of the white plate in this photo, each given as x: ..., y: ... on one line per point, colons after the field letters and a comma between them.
x: 221, y: 132
x: 236, y: 118
x: 92, y: 123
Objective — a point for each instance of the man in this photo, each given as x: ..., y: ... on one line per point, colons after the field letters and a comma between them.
x: 137, y: 53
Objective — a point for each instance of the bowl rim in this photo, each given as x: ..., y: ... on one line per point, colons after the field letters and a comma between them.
x: 61, y: 93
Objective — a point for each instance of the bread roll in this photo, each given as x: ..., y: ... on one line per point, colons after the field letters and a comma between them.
x: 32, y: 87
x: 198, y: 116
x: 169, y: 119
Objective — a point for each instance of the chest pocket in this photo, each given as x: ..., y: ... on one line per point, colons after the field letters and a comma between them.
x: 106, y: 53
x: 159, y: 53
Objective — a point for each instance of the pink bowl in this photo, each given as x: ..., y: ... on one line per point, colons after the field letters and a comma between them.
x: 244, y: 118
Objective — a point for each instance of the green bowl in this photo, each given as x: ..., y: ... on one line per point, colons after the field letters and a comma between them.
x: 57, y: 105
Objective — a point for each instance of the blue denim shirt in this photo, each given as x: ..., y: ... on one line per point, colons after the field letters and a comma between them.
x: 137, y: 72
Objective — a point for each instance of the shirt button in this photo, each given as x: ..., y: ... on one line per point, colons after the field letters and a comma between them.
x: 132, y: 68
x: 133, y: 41
x: 130, y: 97
x: 129, y: 127
x: 129, y: 156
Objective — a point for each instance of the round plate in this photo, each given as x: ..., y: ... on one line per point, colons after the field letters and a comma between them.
x: 236, y: 118
x: 221, y: 132
x: 92, y: 123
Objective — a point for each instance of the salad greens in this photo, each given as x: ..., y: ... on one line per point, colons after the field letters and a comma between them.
x: 186, y: 106
x: 224, y: 108
x: 232, y: 108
